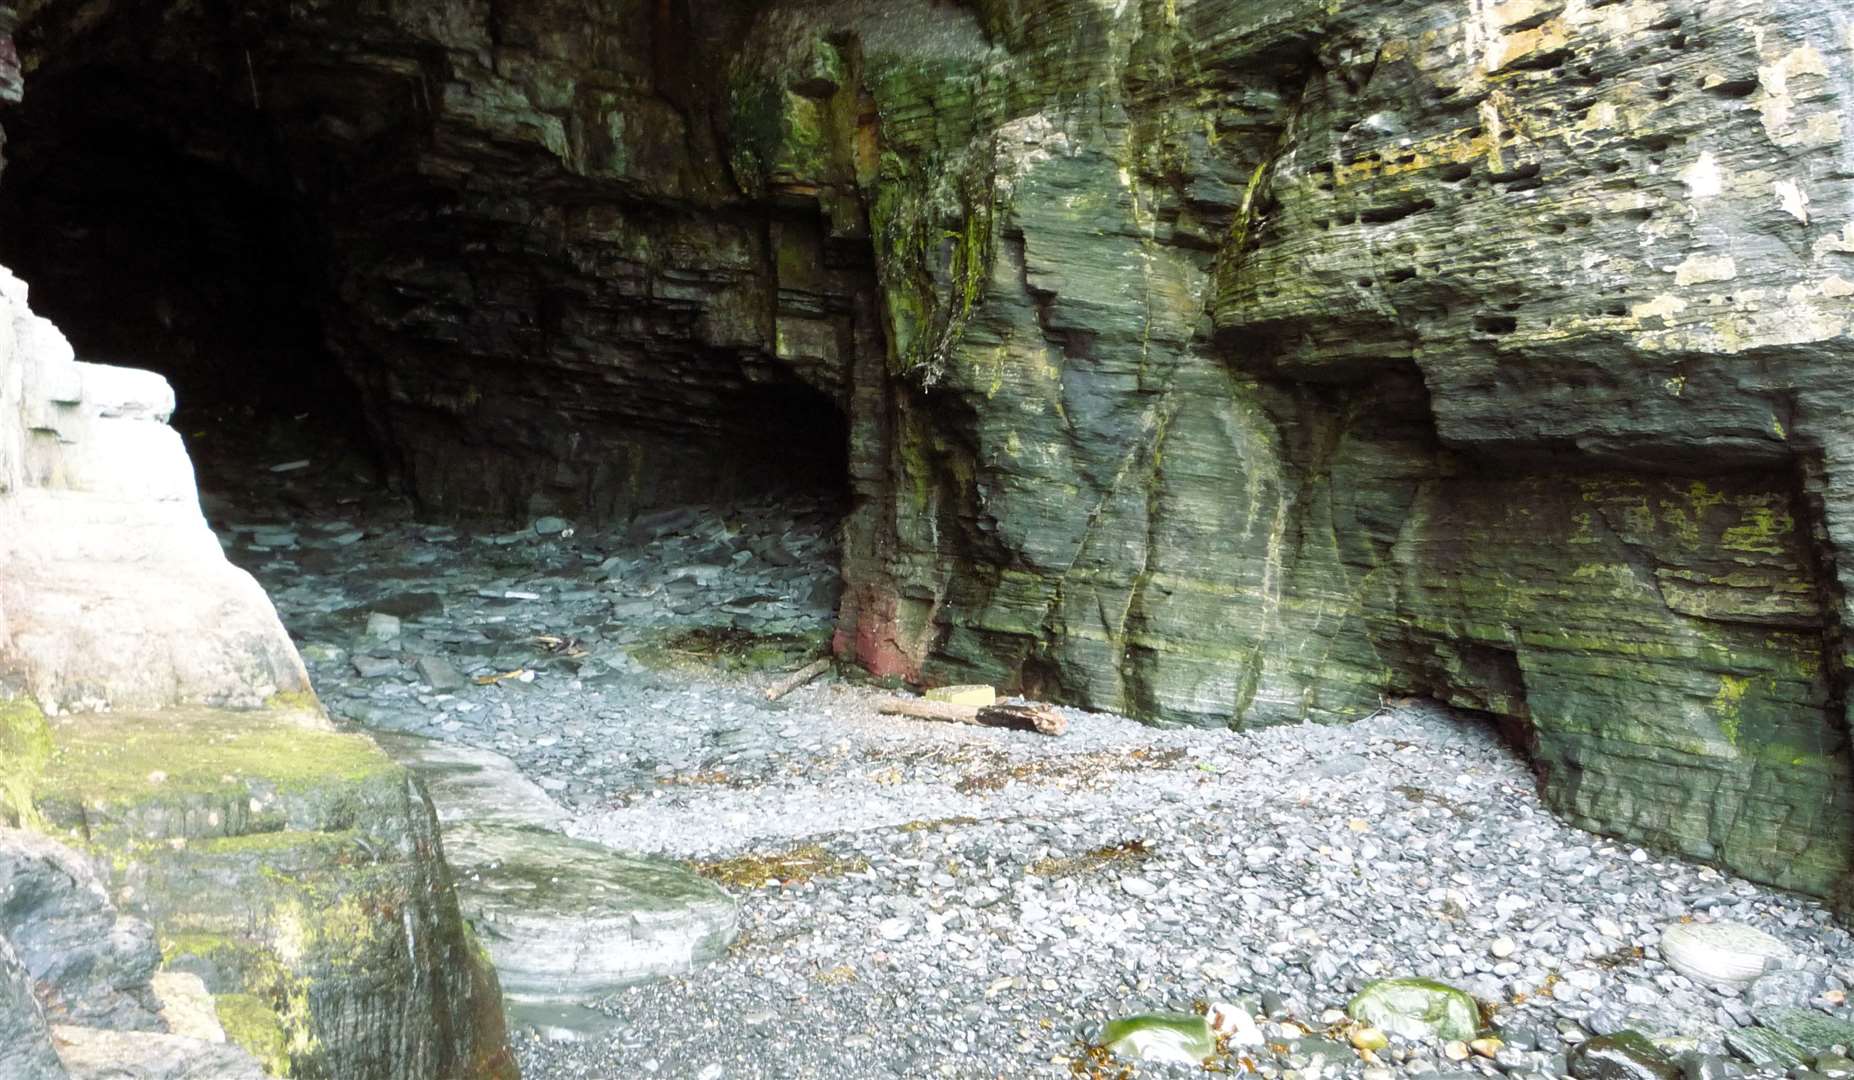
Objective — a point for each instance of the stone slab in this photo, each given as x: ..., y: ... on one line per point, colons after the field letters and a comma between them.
x: 564, y: 920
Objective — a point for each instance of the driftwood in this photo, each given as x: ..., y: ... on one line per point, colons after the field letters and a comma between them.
x: 1038, y: 718
x: 797, y: 679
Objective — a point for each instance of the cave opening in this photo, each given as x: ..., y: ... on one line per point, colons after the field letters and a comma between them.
x: 348, y: 302
x: 182, y: 253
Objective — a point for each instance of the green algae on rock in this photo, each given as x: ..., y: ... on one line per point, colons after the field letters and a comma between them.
x: 25, y: 747
x: 1816, y: 1032
x: 1417, y: 1009
x: 297, y: 871
x: 252, y: 1024
x: 1175, y: 1038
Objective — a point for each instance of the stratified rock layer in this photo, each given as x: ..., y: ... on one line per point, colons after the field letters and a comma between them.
x: 295, y: 870
x: 1224, y: 362
x: 1514, y: 318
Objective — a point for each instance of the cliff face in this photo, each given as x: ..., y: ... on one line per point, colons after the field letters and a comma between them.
x: 1525, y: 327
x: 1217, y: 361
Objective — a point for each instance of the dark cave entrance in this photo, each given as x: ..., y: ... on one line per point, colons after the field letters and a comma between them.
x: 189, y: 260
x: 165, y: 227
x: 799, y: 434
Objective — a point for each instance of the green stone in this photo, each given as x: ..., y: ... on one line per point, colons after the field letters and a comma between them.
x: 1626, y: 1055
x: 294, y: 868
x: 1817, y: 1033
x: 1766, y: 1049
x: 1182, y: 1038
x: 25, y: 747
x: 1417, y: 1009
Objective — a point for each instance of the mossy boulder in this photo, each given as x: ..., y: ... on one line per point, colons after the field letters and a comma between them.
x: 1178, y: 1038
x: 1417, y: 1009
x: 297, y: 871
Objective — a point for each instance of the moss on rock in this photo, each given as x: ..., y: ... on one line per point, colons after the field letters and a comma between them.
x: 25, y: 747
x: 295, y: 869
x: 252, y: 1024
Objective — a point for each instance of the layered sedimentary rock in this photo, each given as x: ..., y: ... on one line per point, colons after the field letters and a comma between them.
x: 538, y: 267
x: 91, y: 971
x: 294, y: 870
x: 298, y: 872
x: 1224, y: 362
x: 1515, y: 316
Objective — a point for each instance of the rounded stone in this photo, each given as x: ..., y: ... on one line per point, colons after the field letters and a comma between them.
x: 1177, y: 1038
x: 1729, y: 953
x: 1417, y: 1009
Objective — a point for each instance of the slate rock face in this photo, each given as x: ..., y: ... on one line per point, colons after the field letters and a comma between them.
x: 25, y: 1042
x: 1493, y: 402
x: 92, y: 965
x: 69, y: 957
x: 295, y: 870
x: 1224, y: 362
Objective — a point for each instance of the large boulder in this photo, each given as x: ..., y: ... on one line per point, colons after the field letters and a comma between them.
x: 297, y: 872
x: 113, y: 590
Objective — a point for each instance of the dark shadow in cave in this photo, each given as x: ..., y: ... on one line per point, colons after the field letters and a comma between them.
x: 148, y: 255
x: 162, y: 226
x: 800, y: 437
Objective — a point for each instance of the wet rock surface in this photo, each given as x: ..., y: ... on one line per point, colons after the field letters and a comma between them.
x: 79, y: 981
x: 294, y: 870
x: 94, y: 966
x: 921, y: 898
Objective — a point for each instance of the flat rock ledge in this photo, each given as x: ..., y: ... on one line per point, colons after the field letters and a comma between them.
x: 565, y: 921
